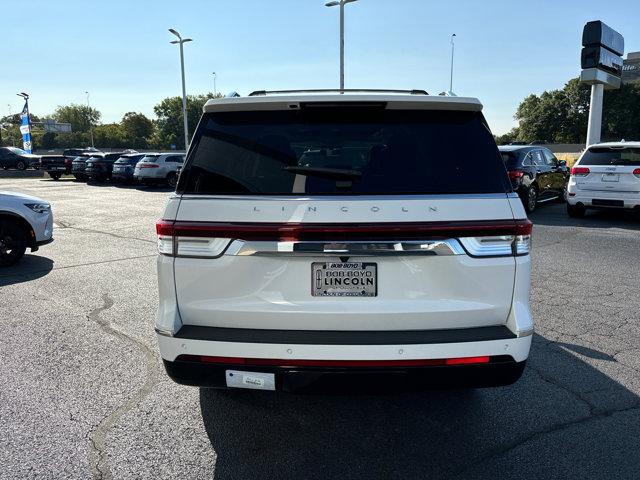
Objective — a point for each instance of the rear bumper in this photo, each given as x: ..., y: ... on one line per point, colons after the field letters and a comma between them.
x: 602, y: 199
x: 389, y: 352
x: 500, y: 371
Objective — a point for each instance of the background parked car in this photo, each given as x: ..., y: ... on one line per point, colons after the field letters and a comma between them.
x: 58, y: 165
x: 159, y: 168
x: 25, y: 222
x: 79, y: 164
x: 124, y: 167
x: 607, y: 175
x: 535, y: 173
x: 100, y: 169
x: 13, y: 157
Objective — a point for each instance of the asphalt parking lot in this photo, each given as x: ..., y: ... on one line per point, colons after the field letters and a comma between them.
x: 83, y: 393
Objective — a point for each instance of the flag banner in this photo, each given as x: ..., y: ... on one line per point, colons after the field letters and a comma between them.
x: 25, y: 128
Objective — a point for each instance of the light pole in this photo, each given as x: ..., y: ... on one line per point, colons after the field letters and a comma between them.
x: 89, y: 114
x: 453, y: 46
x: 215, y: 90
x: 341, y: 4
x: 180, y: 42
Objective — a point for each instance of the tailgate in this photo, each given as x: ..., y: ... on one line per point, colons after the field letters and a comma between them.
x: 267, y: 282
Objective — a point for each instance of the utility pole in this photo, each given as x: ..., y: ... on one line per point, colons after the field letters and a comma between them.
x: 90, y: 126
x: 452, y: 52
x: 341, y: 4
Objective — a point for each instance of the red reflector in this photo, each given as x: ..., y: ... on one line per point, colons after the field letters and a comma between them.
x: 513, y: 174
x: 580, y: 171
x: 466, y: 360
x: 149, y: 165
x: 636, y: 172
x: 350, y: 231
x: 272, y: 362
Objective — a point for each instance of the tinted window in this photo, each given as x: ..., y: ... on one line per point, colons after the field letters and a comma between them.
x: 150, y: 158
x: 550, y: 159
x: 611, y: 156
x: 343, y: 151
x: 510, y: 160
x: 174, y: 159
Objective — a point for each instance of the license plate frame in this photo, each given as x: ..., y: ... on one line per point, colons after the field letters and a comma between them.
x: 367, y: 285
x: 610, y: 177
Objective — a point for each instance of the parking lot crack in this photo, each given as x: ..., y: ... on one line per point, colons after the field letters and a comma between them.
x: 98, y: 458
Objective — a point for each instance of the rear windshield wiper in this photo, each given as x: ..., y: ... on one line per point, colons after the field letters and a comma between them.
x: 337, y: 173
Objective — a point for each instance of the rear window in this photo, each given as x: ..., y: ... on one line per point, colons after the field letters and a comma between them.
x: 510, y: 160
x: 150, y: 158
x: 611, y: 156
x: 334, y: 151
x: 128, y: 160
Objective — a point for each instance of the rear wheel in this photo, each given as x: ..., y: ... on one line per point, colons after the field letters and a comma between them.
x: 172, y: 179
x: 55, y: 176
x: 531, y: 199
x: 21, y: 165
x: 575, y: 211
x: 13, y: 242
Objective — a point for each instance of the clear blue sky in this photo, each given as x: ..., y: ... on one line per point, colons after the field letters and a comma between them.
x: 119, y: 50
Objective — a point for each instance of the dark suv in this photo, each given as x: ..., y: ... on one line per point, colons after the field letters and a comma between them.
x: 535, y: 173
x: 101, y: 168
x: 13, y: 157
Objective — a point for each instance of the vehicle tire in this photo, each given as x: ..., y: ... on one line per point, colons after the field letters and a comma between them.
x: 575, y: 211
x: 530, y: 199
x: 563, y: 196
x: 21, y: 165
x: 172, y: 179
x: 13, y: 242
x: 55, y: 176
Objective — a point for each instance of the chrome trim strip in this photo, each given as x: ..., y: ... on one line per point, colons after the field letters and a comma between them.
x: 359, y: 249
x: 164, y: 333
x: 525, y: 333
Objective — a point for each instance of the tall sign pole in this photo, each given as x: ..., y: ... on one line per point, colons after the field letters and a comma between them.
x: 25, y: 126
x: 601, y: 63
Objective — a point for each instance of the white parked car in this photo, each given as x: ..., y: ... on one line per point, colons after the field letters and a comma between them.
x: 25, y: 222
x: 367, y: 240
x: 158, y: 168
x: 607, y: 175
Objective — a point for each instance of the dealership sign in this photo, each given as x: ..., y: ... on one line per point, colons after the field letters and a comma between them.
x: 631, y: 68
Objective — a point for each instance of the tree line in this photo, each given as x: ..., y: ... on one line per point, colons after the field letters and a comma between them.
x: 135, y: 130
x: 561, y: 116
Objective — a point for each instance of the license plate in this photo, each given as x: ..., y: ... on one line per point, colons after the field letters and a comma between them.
x: 610, y: 177
x: 344, y: 279
x: 252, y: 380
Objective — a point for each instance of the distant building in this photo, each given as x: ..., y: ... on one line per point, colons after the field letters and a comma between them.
x: 631, y: 68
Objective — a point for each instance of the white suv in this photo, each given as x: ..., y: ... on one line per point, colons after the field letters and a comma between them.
x: 25, y: 222
x: 159, y: 168
x: 607, y: 175
x: 343, y: 240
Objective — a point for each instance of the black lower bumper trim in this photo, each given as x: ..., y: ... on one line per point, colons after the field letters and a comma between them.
x: 351, y: 337
x: 355, y: 380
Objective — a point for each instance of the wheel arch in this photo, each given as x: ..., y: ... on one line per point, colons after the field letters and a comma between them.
x: 24, y: 224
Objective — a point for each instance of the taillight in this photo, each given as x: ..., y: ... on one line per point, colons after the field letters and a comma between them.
x: 515, y: 174
x: 171, y: 243
x: 580, y: 171
x: 636, y: 172
x: 209, y: 239
x: 518, y: 243
x: 149, y: 165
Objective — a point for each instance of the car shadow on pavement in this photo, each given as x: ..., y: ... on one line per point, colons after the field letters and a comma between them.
x: 28, y: 268
x: 541, y: 427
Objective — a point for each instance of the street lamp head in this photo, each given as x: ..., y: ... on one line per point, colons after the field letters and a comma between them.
x: 175, y: 33
x: 332, y: 4
x: 187, y: 40
x: 175, y: 41
x: 23, y: 95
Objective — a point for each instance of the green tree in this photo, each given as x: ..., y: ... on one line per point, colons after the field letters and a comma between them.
x: 110, y: 135
x: 169, y: 123
x: 137, y: 128
x: 561, y: 116
x: 81, y: 117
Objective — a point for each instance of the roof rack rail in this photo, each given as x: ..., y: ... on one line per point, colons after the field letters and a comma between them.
x: 258, y: 93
